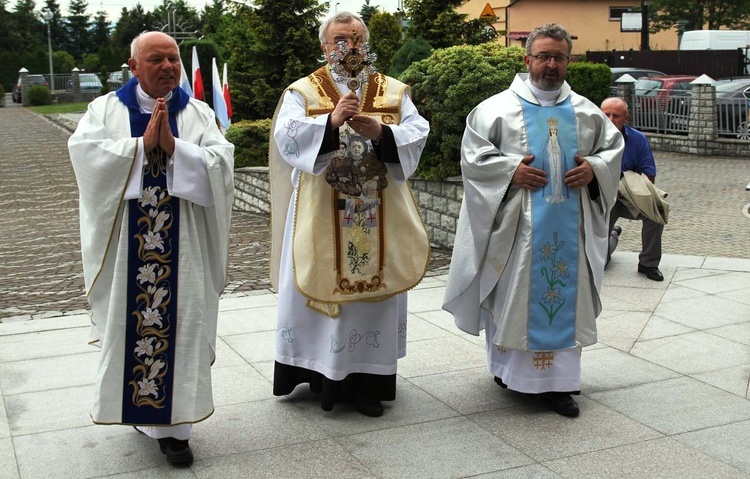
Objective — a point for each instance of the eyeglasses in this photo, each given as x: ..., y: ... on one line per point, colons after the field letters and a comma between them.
x: 546, y: 57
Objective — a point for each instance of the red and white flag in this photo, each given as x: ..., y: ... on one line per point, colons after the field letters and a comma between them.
x: 197, y: 80
x: 227, y: 97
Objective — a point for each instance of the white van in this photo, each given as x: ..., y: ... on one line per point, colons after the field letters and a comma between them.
x: 717, y: 40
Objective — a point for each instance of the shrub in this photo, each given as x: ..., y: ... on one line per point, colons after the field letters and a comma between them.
x: 39, y: 95
x: 2, y: 90
x: 591, y: 80
x: 413, y: 50
x: 446, y: 87
x: 250, y: 138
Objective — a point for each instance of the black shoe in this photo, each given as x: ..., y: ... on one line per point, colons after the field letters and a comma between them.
x: 500, y: 383
x: 178, y: 452
x: 562, y: 403
x: 651, y: 272
x: 617, y: 230
x: 372, y: 408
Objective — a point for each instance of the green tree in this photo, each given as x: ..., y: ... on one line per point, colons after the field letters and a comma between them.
x: 367, y: 11
x: 213, y: 19
x: 130, y: 24
x: 385, y: 38
x: 100, y: 32
x: 414, y: 49
x: 698, y: 14
x: 438, y: 22
x: 5, y: 27
x: 63, y: 62
x: 27, y: 31
x: 270, y: 47
x: 445, y: 88
x: 77, y: 25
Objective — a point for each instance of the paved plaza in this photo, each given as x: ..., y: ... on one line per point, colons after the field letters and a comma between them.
x: 665, y: 392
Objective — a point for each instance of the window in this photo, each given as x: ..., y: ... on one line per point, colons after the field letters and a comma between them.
x: 615, y: 13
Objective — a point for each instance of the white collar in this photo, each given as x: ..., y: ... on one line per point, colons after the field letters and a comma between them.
x: 146, y: 102
x: 545, y: 97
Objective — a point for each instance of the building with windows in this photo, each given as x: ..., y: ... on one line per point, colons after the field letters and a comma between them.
x: 594, y: 24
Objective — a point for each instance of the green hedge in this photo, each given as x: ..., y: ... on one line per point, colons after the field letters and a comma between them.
x: 250, y: 138
x: 446, y: 86
x: 39, y: 95
x: 591, y: 80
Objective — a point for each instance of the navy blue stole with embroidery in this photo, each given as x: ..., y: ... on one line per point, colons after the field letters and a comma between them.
x: 553, y: 140
x: 152, y: 287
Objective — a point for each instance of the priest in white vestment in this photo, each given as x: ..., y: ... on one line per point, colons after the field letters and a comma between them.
x: 529, y: 252
x: 156, y: 188
x: 348, y: 240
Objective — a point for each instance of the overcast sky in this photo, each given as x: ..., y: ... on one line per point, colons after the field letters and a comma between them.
x: 114, y: 7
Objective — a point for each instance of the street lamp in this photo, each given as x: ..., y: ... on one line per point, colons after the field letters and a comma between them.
x: 47, y: 15
x: 336, y: 8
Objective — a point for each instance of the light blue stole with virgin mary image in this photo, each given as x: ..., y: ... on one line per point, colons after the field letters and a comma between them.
x: 554, y: 267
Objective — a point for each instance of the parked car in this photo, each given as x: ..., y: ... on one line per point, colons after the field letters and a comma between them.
x: 89, y: 83
x: 732, y: 107
x: 114, y: 81
x: 636, y: 73
x: 653, y: 95
x: 32, y: 80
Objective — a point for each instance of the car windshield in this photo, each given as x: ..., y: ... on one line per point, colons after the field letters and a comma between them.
x: 727, y: 89
x: 647, y: 87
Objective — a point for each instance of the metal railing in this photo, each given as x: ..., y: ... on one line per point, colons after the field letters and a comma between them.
x: 61, y: 80
x: 664, y: 111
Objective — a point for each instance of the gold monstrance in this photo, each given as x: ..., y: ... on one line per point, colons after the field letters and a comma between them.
x: 355, y: 64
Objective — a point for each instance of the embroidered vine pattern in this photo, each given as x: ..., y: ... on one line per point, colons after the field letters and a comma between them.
x: 154, y: 284
x: 286, y: 333
x: 553, y: 300
x: 370, y: 338
x: 291, y: 147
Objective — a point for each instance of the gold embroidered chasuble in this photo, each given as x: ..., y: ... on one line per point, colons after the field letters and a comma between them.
x: 358, y: 235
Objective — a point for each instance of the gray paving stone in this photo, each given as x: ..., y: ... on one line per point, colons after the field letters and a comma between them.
x: 546, y: 436
x: 241, y: 321
x: 8, y: 465
x: 448, y: 448
x: 663, y: 458
x: 700, y: 313
x: 608, y: 368
x: 252, y: 426
x: 239, y: 384
x: 534, y: 471
x: 45, y: 344
x: 43, y: 374
x: 320, y: 459
x: 727, y: 443
x: 676, y: 405
x: 79, y: 452
x: 467, y: 391
x: 735, y: 380
x: 694, y: 352
x: 54, y: 410
x: 439, y: 355
x: 4, y: 428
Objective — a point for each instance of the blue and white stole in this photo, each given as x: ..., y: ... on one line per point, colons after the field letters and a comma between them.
x: 153, y: 257
x: 553, y: 141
